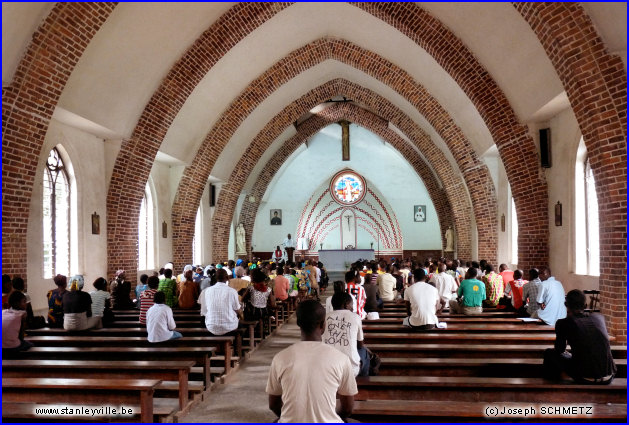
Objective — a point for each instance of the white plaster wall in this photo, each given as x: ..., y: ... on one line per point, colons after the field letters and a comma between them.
x: 501, y: 185
x: 379, y: 163
x: 160, y: 177
x: 565, y: 136
x: 86, y: 154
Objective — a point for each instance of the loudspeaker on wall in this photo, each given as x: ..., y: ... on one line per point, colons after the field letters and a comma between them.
x: 544, y: 147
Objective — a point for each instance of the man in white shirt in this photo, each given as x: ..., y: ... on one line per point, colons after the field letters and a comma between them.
x: 551, y: 298
x: 306, y: 377
x: 289, y: 245
x: 422, y: 302
x: 446, y: 286
x: 160, y: 324
x: 344, y: 331
x: 386, y: 285
x: 222, y: 306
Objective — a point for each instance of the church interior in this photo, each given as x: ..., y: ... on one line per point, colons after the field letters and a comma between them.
x: 138, y: 134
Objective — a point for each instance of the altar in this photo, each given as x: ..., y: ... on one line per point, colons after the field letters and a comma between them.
x: 336, y: 259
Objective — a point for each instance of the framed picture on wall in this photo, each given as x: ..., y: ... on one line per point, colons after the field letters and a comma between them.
x: 95, y: 224
x: 276, y: 217
x: 419, y: 213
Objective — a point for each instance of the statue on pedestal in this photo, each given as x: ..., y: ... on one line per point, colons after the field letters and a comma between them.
x: 449, y: 239
x: 240, y: 240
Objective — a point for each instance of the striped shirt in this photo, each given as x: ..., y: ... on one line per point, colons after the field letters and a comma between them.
x: 530, y: 291
x: 146, y: 302
x: 358, y: 292
x: 98, y: 302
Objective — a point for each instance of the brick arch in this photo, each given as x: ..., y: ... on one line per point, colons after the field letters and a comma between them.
x: 135, y: 159
x: 454, y: 186
x: 474, y: 171
x: 27, y: 107
x: 595, y: 83
x: 516, y: 147
x: 452, y: 204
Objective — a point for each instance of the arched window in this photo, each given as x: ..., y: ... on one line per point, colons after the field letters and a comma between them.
x: 587, y: 258
x: 146, y: 247
x: 514, y: 233
x: 56, y: 216
x: 196, y: 244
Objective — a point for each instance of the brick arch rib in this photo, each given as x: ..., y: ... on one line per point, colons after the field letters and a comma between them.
x: 456, y: 213
x: 516, y: 147
x: 27, y: 107
x: 474, y: 171
x: 595, y: 83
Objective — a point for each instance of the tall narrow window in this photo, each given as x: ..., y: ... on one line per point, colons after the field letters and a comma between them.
x: 514, y: 233
x: 591, y: 222
x: 196, y: 243
x: 146, y: 257
x: 56, y: 216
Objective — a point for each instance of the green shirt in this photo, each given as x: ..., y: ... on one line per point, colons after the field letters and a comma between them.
x: 473, y: 292
x: 167, y: 286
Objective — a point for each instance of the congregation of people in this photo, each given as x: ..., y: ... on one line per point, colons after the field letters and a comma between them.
x: 332, y: 348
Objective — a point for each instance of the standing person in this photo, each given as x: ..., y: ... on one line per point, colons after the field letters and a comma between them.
x: 591, y: 360
x: 168, y: 287
x: 77, y: 308
x: 344, y: 331
x: 422, y: 302
x: 222, y: 306
x: 13, y: 325
x: 311, y: 276
x: 188, y: 292
x: 471, y: 294
x: 160, y: 323
x: 289, y: 246
x: 120, y: 292
x: 55, y: 302
x: 551, y: 298
x: 306, y: 377
x: 147, y: 299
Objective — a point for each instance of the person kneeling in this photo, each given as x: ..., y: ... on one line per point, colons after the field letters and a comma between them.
x: 160, y: 323
x: 591, y: 361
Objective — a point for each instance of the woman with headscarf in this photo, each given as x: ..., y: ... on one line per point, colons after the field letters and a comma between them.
x: 77, y: 308
x: 260, y: 296
x: 55, y: 302
x: 120, y: 292
x: 182, y: 276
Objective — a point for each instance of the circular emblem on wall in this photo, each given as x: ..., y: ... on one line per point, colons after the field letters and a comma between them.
x: 347, y: 187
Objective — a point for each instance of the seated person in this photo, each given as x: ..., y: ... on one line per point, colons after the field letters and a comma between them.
x: 6, y: 290
x: 514, y: 291
x: 32, y: 322
x: 278, y: 254
x: 222, y: 307
x: 13, y: 325
x: 260, y: 297
x: 530, y: 291
x: 55, y: 302
x: 446, y: 286
x: 120, y: 292
x: 77, y: 308
x: 373, y: 301
x: 188, y: 292
x: 282, y: 286
x: 591, y: 361
x: 344, y: 331
x: 422, y: 303
x: 307, y: 377
x: 100, y: 298
x: 472, y: 293
x: 139, y: 288
x: 160, y: 323
x: 168, y: 286
x: 494, y: 286
x: 551, y: 298
x: 147, y: 298
x: 386, y: 285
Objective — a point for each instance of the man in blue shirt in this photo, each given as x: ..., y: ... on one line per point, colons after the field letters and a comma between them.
x: 551, y: 298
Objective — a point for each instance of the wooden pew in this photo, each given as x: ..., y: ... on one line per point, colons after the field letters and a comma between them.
x: 478, y: 350
x: 111, y: 369
x: 460, y: 319
x: 457, y: 338
x: 491, y: 366
x: 114, y: 339
x: 484, y: 389
x: 112, y: 392
x: 514, y: 328
x: 464, y: 411
x: 200, y: 355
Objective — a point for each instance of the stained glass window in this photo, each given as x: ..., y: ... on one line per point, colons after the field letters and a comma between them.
x: 348, y: 188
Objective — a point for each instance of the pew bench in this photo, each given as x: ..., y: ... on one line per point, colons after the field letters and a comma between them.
x: 500, y: 328
x: 177, y: 371
x: 101, y: 392
x: 485, y: 389
x: 461, y: 338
